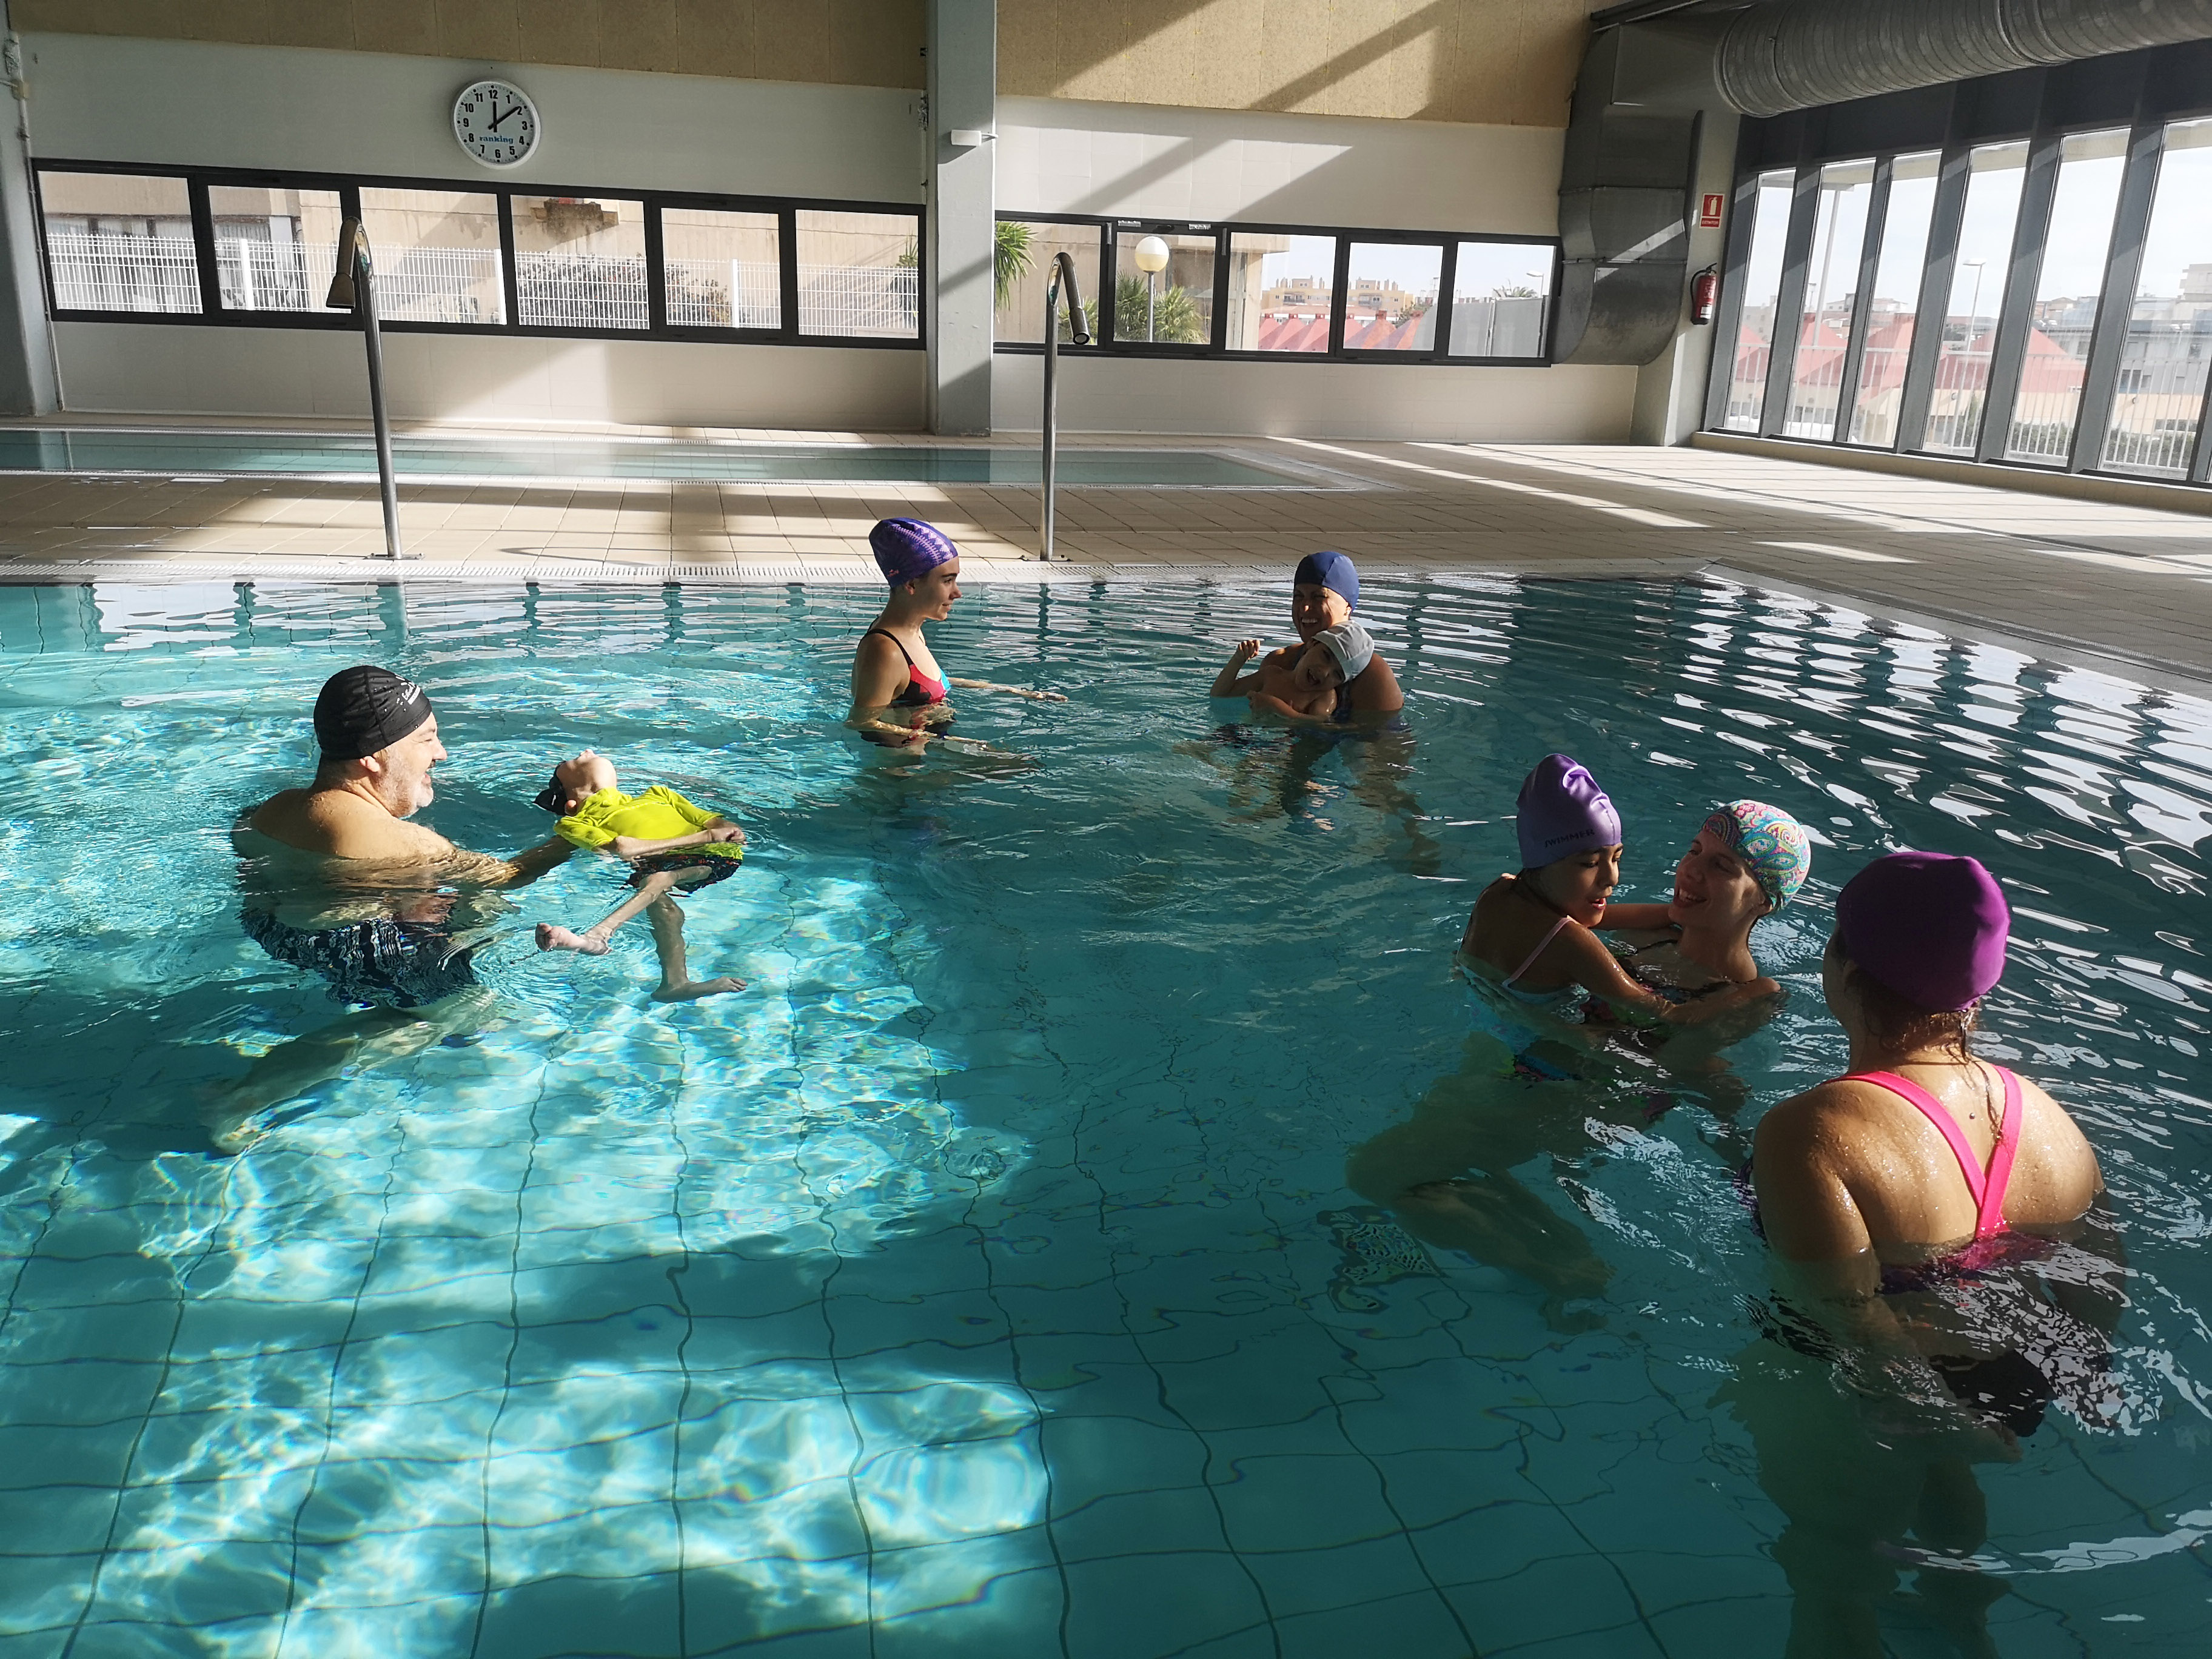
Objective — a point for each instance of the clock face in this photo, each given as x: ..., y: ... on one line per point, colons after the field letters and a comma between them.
x: 496, y: 123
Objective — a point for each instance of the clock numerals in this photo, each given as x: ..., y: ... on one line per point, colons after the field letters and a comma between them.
x: 495, y: 122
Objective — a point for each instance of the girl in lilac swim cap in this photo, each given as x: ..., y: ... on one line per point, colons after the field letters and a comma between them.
x: 899, y: 689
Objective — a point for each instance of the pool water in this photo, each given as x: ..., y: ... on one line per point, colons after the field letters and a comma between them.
x: 985, y: 1280
x: 167, y: 454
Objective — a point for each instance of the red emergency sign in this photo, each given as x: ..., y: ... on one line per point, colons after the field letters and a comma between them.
x: 1709, y: 211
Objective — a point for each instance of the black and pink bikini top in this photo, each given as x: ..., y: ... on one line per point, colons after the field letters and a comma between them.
x: 919, y: 689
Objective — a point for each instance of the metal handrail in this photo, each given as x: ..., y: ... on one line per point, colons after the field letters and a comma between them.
x: 1061, y: 278
x: 353, y: 287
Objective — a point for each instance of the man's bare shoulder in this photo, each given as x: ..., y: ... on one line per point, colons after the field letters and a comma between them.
x: 339, y: 825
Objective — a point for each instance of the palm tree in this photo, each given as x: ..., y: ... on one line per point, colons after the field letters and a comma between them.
x: 1010, y: 256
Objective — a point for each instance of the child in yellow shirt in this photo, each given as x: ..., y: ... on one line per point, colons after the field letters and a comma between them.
x: 672, y: 845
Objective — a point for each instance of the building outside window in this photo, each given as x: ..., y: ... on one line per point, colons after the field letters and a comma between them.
x: 1831, y: 282
x: 579, y: 262
x: 1995, y: 174
x: 1894, y: 306
x: 859, y: 274
x: 1762, y: 291
x: 1173, y: 305
x: 1390, y: 296
x: 2168, y: 344
x: 1501, y: 299
x: 723, y: 270
x: 2070, y: 280
x: 275, y: 249
x: 119, y: 241
x: 1281, y: 285
x: 436, y: 254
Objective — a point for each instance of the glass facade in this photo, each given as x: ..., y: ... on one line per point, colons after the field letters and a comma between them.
x: 1280, y: 286
x: 2074, y: 271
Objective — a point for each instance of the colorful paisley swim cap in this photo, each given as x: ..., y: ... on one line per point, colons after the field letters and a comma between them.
x: 1772, y: 845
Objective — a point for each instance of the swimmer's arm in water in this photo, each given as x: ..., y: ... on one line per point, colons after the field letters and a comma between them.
x: 1226, y: 682
x: 1599, y: 971
x: 1011, y: 690
x: 524, y: 867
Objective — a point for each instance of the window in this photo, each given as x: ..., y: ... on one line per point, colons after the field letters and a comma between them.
x: 1831, y: 282
x: 1762, y: 288
x: 1895, y: 302
x: 723, y: 270
x: 2068, y: 282
x: 1173, y: 303
x: 1280, y: 288
x: 1022, y: 259
x: 1390, y: 292
x: 1977, y: 284
x: 579, y: 262
x: 436, y: 255
x: 859, y: 274
x: 1501, y: 299
x: 2163, y: 358
x: 120, y: 241
x: 275, y: 249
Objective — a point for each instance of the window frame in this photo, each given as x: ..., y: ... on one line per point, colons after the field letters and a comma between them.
x: 348, y: 186
x: 1224, y: 230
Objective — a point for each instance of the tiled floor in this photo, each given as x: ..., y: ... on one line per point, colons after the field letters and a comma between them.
x: 2122, y: 582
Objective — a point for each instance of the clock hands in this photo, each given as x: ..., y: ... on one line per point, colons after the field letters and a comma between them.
x: 496, y: 119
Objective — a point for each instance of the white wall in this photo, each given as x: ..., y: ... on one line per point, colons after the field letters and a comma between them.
x: 1569, y: 404
x: 157, y: 368
x: 110, y: 98
x: 1139, y: 161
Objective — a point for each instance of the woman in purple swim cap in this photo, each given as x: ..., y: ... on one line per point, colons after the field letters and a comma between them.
x: 1919, y: 1210
x: 898, y: 689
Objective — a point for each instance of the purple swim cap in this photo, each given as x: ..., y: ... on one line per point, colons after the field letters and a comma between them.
x: 1930, y: 927
x: 1562, y: 812
x: 907, y: 548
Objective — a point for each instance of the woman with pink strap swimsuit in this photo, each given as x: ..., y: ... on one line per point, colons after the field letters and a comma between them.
x: 1918, y: 1208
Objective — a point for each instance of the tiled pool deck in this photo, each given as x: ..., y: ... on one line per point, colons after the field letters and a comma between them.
x: 2120, y: 581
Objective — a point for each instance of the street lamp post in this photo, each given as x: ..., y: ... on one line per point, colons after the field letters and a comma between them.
x: 1151, y: 260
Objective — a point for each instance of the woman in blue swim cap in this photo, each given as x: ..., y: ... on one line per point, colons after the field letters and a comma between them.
x: 898, y: 689
x: 1324, y: 592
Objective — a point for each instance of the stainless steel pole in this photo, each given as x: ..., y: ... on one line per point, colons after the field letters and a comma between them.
x: 365, y: 282
x: 1060, y: 280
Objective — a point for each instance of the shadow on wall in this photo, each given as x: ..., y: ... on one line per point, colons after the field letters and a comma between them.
x: 1504, y: 62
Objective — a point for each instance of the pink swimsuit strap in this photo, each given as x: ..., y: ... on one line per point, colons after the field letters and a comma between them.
x: 1989, y: 1192
x: 1529, y: 961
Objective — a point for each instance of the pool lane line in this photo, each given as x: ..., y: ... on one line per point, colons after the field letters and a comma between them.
x: 2157, y: 674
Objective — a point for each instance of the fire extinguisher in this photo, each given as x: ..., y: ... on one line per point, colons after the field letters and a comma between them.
x: 1704, y: 294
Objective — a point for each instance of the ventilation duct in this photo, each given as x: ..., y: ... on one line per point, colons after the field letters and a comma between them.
x: 1782, y: 55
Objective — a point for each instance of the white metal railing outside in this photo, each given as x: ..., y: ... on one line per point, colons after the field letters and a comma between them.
x: 2155, y: 413
x: 725, y: 293
x: 872, y: 300
x: 102, y: 271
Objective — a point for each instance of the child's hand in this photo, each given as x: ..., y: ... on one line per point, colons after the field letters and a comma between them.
x: 1246, y: 650
x: 715, y: 832
x: 626, y: 846
x: 1044, y: 696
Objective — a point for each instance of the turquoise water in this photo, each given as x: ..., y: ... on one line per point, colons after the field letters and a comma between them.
x: 293, y: 454
x: 986, y: 1278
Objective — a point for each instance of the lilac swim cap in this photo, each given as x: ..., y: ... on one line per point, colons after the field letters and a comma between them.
x: 1930, y: 927
x: 907, y: 548
x: 1562, y: 812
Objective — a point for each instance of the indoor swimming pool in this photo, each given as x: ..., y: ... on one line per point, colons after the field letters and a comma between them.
x: 197, y: 452
x: 986, y: 1279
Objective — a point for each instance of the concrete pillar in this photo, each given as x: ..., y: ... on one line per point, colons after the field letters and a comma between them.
x: 964, y: 101
x: 1670, y: 389
x: 27, y: 384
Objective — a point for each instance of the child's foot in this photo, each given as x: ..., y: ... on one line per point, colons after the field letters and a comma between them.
x: 692, y: 989
x: 550, y: 938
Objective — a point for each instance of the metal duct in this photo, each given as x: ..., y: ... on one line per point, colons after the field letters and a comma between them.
x: 1793, y: 54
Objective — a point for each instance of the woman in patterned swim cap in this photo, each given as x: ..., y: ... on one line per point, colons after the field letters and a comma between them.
x: 1747, y: 861
x: 898, y: 689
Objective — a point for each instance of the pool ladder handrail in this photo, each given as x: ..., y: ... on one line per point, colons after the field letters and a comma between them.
x: 353, y: 287
x: 1061, y: 278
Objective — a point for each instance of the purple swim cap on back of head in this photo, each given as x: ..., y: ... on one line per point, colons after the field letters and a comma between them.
x: 1562, y: 812
x: 1930, y: 927
x: 907, y: 548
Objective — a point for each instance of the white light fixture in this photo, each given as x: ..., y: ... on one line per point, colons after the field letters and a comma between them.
x: 1151, y: 258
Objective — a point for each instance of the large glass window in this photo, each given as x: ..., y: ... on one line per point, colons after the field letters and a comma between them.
x: 1280, y: 286
x: 120, y: 241
x: 859, y: 273
x: 1997, y: 172
x: 2161, y: 395
x: 1895, y: 303
x: 435, y: 254
x: 1390, y: 292
x: 2068, y: 284
x: 275, y: 249
x: 721, y: 269
x: 579, y: 262
x: 1170, y: 303
x: 1022, y: 259
x: 1762, y: 288
x: 1501, y: 299
x: 1831, y: 282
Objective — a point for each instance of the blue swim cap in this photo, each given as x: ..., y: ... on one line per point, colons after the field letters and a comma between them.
x: 907, y: 548
x: 1330, y: 570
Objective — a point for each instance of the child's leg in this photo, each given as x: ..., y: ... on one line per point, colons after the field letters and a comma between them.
x: 676, y: 984
x: 594, y: 942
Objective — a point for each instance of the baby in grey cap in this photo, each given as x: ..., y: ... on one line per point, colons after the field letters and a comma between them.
x: 1307, y: 689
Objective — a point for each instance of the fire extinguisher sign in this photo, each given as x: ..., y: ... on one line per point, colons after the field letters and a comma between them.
x: 1709, y: 211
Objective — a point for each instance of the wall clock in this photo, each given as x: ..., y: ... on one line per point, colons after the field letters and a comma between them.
x: 496, y: 123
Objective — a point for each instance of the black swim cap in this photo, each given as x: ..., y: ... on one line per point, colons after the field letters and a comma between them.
x: 365, y: 708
